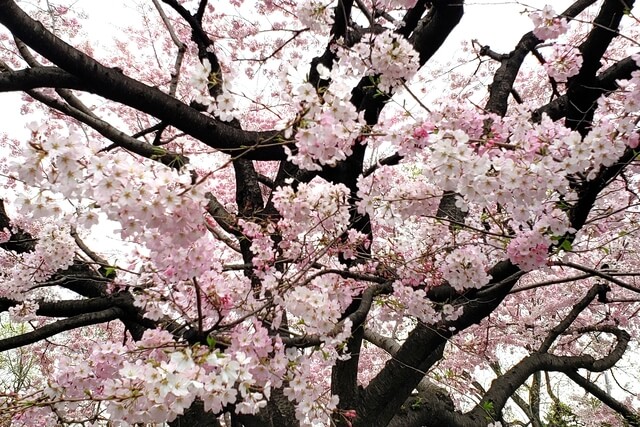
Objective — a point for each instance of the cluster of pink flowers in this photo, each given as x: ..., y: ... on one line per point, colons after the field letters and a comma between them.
x: 156, y: 379
x: 547, y: 24
x: 529, y: 250
x: 313, y: 216
x: 313, y: 310
x: 604, y: 146
x: 563, y: 62
x: 394, y: 59
x: 385, y: 55
x: 413, y: 303
x: 391, y: 201
x: 422, y: 135
x: 465, y: 268
x: 262, y: 245
x: 314, y: 405
x: 24, y: 312
x: 53, y: 252
x: 201, y: 80
x: 315, y: 14
x: 141, y: 199
x: 327, y: 132
x: 200, y: 76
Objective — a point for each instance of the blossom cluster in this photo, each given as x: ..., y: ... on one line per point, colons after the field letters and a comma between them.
x: 326, y: 132
x: 53, y: 252
x: 529, y: 250
x: 389, y: 59
x: 563, y: 62
x: 394, y: 59
x: 155, y: 205
x: 315, y: 14
x: 201, y: 80
x: 159, y: 382
x: 414, y: 303
x: 315, y: 213
x: 315, y: 312
x: 393, y: 198
x: 465, y: 268
x: 156, y: 379
x: 547, y: 24
x: 314, y: 406
x: 262, y: 245
x: 24, y: 312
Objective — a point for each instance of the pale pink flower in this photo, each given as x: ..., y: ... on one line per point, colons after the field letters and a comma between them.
x: 547, y: 24
x: 564, y: 62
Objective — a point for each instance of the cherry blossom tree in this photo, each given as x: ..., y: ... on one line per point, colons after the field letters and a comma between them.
x: 282, y: 213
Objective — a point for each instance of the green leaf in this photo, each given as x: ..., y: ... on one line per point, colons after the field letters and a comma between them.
x: 211, y: 342
x: 110, y: 272
x: 488, y: 408
x: 566, y: 245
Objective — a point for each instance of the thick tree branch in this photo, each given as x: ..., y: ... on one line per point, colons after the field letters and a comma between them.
x: 581, y: 92
x: 412, y: 18
x: 389, y: 345
x: 32, y: 78
x: 588, y: 191
x: 522, y: 404
x: 431, y: 406
x: 70, y: 308
x: 387, y: 392
x: 196, y: 416
x: 113, y: 84
x: 561, y: 327
x: 391, y: 160
x: 606, y: 83
x: 250, y: 207
x: 504, y: 386
x: 428, y: 408
x: 506, y: 75
x: 40, y: 76
x: 60, y: 326
x: 432, y: 30
x: 632, y: 417
x: 65, y: 94
x: 227, y: 221
x: 119, y: 138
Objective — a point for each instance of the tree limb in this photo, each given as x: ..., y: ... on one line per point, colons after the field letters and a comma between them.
x: 561, y: 327
x: 606, y: 82
x: 60, y: 326
x: 581, y: 93
x: 632, y: 417
x: 113, y: 84
x: 504, y: 386
x: 506, y: 75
